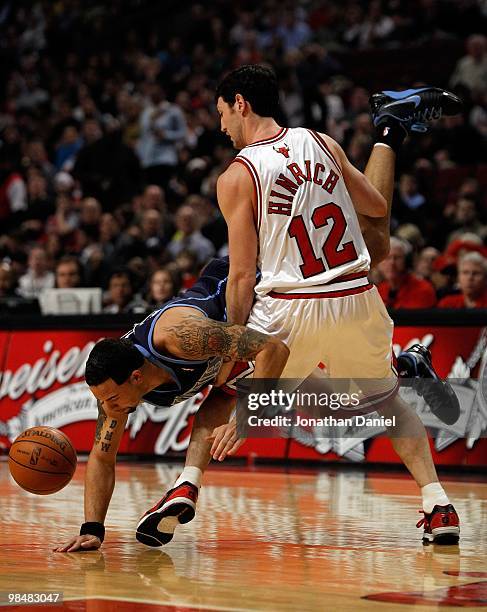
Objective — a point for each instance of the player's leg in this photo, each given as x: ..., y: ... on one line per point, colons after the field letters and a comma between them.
x: 380, y: 172
x: 364, y: 319
x: 395, y: 114
x: 178, y: 505
x: 410, y: 441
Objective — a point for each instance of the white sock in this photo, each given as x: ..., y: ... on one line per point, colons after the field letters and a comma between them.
x: 433, y: 495
x: 190, y: 474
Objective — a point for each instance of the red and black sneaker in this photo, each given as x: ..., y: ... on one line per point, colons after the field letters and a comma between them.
x: 178, y: 506
x: 442, y: 526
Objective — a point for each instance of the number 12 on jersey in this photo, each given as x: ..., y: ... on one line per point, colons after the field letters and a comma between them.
x: 333, y: 255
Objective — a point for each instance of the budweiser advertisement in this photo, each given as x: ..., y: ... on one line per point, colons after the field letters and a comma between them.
x: 41, y: 383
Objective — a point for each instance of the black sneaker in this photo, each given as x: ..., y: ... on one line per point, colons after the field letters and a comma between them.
x: 414, y: 109
x: 415, y: 363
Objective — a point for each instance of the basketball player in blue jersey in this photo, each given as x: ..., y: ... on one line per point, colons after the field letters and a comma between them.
x: 299, y: 210
x: 169, y: 357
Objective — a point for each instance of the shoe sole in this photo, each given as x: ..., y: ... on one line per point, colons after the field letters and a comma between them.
x: 443, y: 535
x: 164, y: 521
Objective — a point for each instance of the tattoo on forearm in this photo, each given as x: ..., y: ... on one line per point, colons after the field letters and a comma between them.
x: 102, y: 418
x: 203, y: 338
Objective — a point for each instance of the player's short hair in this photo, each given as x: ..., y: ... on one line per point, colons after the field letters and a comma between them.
x: 258, y: 86
x: 112, y: 358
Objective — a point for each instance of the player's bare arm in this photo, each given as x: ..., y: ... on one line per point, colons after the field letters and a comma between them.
x: 100, y: 477
x: 188, y: 334
x: 366, y: 199
x: 235, y: 193
x: 236, y: 197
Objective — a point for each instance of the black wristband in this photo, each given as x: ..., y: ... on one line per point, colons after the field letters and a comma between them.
x: 391, y: 133
x: 96, y: 529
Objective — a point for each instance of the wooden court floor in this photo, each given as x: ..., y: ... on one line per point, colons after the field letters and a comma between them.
x: 324, y: 540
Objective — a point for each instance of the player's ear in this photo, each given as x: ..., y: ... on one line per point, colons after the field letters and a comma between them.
x: 136, y: 377
x: 240, y: 103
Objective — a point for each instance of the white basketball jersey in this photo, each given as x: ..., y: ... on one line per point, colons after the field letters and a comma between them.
x: 309, y: 235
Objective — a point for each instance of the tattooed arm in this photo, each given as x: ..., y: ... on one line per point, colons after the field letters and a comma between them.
x: 187, y: 334
x: 99, y: 479
x: 100, y: 471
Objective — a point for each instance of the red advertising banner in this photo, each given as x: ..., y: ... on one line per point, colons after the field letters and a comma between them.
x: 41, y: 383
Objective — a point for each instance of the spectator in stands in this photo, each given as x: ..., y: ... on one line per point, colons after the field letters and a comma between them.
x: 164, y: 284
x: 108, y: 234
x: 187, y: 264
x: 90, y: 217
x: 410, y: 203
x: 465, y: 218
x: 472, y: 281
x: 121, y: 297
x: 162, y: 129
x: 38, y: 275
x: 352, y: 34
x: 68, y: 147
x: 153, y: 198
x: 444, y: 275
x: 471, y: 70
x: 401, y: 288
x: 152, y: 232
x: 37, y: 156
x: 211, y: 220
x: 40, y: 201
x: 189, y: 238
x: 377, y: 27
x: 424, y: 264
x: 13, y: 192
x: 293, y: 32
x: 69, y: 273
x: 107, y: 168
x: 412, y: 235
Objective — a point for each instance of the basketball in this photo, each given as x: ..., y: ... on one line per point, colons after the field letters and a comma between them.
x: 42, y: 460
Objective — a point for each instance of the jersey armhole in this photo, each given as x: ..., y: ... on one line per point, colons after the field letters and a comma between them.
x: 320, y: 141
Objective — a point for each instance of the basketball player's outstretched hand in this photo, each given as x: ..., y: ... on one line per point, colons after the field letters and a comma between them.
x: 225, y: 441
x: 83, y: 542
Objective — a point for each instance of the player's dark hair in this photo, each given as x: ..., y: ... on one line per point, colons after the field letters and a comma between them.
x: 112, y: 358
x: 258, y: 86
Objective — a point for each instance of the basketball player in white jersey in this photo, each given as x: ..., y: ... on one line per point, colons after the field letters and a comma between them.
x: 292, y: 202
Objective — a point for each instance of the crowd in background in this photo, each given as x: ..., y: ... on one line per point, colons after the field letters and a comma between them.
x: 110, y: 145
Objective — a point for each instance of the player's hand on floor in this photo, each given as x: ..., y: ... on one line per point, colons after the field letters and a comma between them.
x: 225, y: 441
x: 225, y: 371
x: 82, y: 542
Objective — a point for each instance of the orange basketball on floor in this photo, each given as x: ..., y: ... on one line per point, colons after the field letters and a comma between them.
x: 42, y: 460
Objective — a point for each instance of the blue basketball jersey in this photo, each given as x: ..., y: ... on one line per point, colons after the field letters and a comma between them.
x: 208, y: 296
